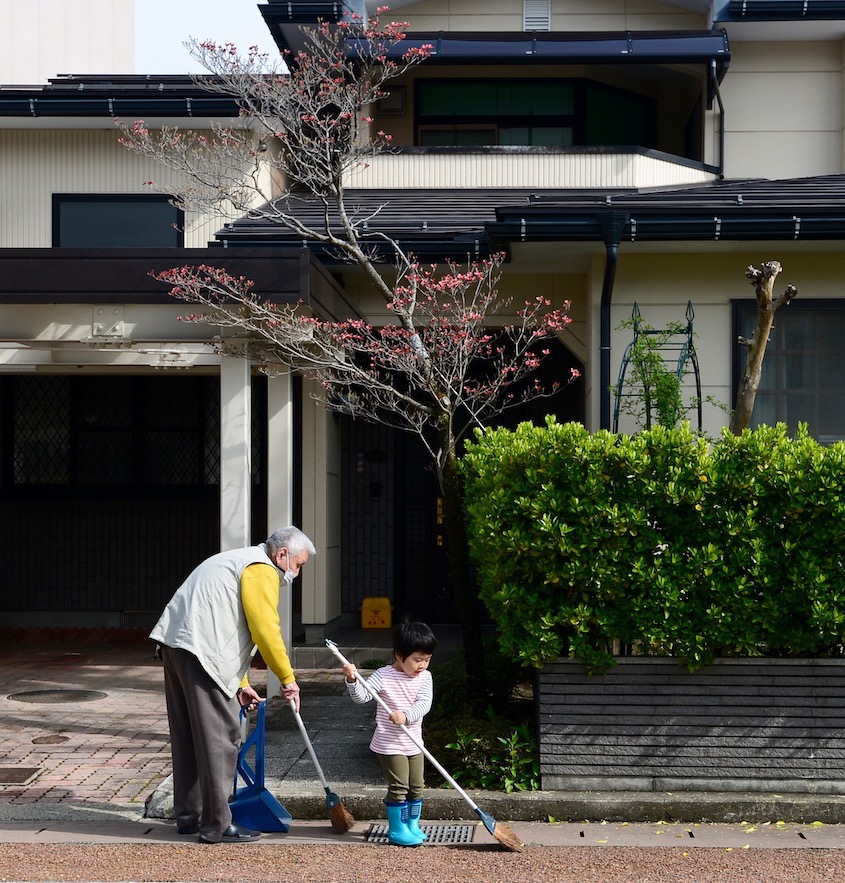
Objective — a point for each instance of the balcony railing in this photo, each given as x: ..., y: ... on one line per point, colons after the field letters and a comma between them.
x: 444, y: 168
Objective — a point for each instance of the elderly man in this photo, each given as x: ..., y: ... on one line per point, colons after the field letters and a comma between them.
x: 207, y: 636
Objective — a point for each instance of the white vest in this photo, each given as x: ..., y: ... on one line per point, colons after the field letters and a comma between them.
x: 206, y: 617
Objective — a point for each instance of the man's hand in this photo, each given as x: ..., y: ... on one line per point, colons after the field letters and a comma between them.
x: 248, y: 698
x: 291, y: 691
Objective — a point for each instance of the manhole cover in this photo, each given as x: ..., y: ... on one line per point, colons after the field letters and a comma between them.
x: 49, y: 740
x: 58, y: 696
x: 439, y: 834
x: 17, y: 775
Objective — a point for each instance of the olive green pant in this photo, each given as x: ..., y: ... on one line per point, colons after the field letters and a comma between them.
x: 404, y: 776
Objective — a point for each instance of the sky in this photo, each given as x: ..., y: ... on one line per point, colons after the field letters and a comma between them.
x: 162, y: 26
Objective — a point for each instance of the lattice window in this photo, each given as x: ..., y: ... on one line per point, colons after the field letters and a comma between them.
x: 41, y: 442
x: 115, y: 431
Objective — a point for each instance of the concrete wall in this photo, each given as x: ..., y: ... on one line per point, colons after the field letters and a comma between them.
x: 40, y: 39
x: 784, y: 110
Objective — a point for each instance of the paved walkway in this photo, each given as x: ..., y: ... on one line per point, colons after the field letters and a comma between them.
x: 97, y: 768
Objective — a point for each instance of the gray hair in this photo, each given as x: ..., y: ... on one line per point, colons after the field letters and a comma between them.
x: 290, y: 538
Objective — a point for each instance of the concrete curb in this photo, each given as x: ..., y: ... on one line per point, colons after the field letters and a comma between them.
x: 366, y: 802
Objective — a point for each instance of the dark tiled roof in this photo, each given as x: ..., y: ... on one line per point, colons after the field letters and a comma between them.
x: 425, y: 220
x: 413, y: 212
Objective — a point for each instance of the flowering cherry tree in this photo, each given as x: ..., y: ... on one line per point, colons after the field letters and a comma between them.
x: 454, y: 351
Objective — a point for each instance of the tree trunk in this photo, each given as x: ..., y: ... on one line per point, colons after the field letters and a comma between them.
x: 459, y: 571
x: 763, y: 280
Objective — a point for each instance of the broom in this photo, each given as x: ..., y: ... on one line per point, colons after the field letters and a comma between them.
x: 503, y: 834
x: 340, y: 817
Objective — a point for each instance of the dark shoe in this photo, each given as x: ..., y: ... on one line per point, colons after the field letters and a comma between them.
x: 234, y: 834
x: 188, y: 829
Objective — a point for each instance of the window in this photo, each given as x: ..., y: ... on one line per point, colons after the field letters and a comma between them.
x: 803, y: 379
x: 116, y: 221
x: 531, y: 113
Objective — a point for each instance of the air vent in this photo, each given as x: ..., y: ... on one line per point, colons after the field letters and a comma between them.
x: 537, y: 15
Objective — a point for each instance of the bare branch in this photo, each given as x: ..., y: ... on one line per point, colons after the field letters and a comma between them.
x: 454, y: 351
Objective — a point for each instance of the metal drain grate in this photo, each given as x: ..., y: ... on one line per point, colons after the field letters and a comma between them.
x: 437, y: 834
x: 17, y: 775
x: 58, y: 696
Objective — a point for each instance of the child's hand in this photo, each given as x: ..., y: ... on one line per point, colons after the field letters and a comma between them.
x: 349, y: 672
x: 398, y: 718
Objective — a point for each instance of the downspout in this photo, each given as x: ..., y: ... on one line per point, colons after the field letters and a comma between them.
x: 718, y: 94
x: 612, y: 225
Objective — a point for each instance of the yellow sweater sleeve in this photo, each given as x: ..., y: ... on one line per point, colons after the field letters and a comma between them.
x: 260, y: 599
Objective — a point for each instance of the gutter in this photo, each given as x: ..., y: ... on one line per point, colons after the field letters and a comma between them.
x: 117, y: 106
x: 733, y: 222
x: 612, y: 226
x: 714, y: 79
x: 783, y: 10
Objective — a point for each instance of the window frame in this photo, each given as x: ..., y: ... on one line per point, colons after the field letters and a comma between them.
x: 458, y: 127
x: 61, y: 199
x: 740, y: 309
x: 576, y: 121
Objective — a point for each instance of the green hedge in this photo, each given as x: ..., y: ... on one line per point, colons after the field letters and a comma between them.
x: 658, y: 540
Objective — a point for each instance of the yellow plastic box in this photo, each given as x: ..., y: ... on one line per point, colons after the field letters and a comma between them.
x: 376, y: 613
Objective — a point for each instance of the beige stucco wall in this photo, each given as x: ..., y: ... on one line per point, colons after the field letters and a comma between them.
x: 40, y: 39
x: 662, y: 284
x: 784, y: 110
x: 566, y: 15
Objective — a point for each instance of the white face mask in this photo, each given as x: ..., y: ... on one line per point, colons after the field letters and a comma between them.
x: 290, y: 576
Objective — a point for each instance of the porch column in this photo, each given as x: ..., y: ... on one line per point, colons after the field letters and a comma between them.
x: 321, y: 602
x: 280, y: 431
x: 235, y: 453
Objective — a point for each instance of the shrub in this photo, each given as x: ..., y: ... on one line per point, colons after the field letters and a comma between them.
x: 657, y: 540
x: 497, y: 751
x: 491, y: 753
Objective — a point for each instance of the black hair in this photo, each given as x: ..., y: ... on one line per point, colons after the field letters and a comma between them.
x: 413, y: 637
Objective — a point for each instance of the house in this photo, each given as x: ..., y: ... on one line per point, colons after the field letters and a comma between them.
x: 625, y: 154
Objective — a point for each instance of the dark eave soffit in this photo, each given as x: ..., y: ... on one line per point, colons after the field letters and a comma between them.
x: 116, y: 275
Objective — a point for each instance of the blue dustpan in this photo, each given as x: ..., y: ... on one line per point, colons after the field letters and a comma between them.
x: 253, y: 806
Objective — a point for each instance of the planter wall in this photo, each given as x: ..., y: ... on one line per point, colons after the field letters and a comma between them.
x: 736, y: 725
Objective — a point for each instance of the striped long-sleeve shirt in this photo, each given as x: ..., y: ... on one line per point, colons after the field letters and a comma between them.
x: 401, y: 693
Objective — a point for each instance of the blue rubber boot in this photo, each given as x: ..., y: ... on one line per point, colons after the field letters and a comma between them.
x: 398, y: 833
x: 414, y: 813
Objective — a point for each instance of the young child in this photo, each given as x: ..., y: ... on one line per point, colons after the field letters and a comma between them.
x: 407, y: 689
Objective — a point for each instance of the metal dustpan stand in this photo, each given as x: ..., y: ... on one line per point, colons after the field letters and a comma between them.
x: 253, y: 806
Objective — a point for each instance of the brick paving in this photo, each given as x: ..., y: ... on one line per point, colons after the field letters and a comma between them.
x: 108, y: 750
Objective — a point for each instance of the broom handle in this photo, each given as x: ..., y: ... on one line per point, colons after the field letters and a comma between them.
x: 334, y: 649
x: 308, y: 745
